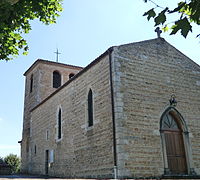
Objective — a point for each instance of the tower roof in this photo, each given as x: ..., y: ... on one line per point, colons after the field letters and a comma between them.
x: 38, y: 61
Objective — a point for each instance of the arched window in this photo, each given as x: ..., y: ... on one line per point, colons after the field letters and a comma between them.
x: 59, y: 124
x: 56, y: 79
x: 90, y: 108
x: 31, y: 83
x: 175, y: 142
x: 71, y: 75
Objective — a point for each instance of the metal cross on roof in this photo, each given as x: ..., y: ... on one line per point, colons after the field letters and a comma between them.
x: 158, y: 31
x: 57, y: 53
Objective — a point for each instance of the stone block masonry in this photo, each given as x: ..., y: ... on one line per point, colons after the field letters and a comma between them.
x: 83, y: 151
x: 146, y: 74
x: 135, y: 128
x: 41, y: 73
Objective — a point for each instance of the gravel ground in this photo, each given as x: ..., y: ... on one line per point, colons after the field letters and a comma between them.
x: 31, y: 177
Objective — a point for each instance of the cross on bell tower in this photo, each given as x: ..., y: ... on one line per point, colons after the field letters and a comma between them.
x: 57, y: 53
x: 158, y: 31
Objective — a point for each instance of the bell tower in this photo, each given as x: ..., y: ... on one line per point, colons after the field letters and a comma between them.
x: 42, y: 79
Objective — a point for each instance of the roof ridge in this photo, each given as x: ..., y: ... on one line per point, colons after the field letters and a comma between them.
x: 140, y: 42
x: 50, y: 62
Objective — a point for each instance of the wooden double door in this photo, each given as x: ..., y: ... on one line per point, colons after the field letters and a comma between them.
x: 175, y: 151
x: 172, y: 128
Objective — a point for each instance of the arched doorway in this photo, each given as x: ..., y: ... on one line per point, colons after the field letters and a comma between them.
x: 174, y: 143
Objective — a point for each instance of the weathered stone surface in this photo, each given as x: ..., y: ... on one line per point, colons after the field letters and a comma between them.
x: 145, y: 75
x: 42, y: 72
x: 82, y: 151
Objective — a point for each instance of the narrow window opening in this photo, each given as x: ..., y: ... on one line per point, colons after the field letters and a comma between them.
x: 35, y: 149
x: 47, y: 135
x: 90, y: 108
x: 59, y: 124
x: 31, y: 84
x: 56, y: 79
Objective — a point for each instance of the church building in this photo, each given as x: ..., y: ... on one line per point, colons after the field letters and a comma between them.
x: 133, y: 112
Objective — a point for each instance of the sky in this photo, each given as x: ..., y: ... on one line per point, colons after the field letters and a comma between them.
x: 85, y: 29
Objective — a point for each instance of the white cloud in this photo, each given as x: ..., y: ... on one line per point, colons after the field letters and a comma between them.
x: 1, y: 119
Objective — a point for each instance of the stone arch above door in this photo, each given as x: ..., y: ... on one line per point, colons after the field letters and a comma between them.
x: 177, y: 116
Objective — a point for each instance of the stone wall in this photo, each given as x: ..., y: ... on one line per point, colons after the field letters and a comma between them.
x: 30, y: 100
x: 42, y: 72
x: 82, y: 151
x: 46, y: 77
x: 145, y: 75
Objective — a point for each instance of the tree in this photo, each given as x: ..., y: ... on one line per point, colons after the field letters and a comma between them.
x: 1, y: 160
x: 188, y: 12
x: 15, y: 17
x: 14, y: 162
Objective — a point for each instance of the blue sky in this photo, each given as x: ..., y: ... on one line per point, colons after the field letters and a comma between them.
x: 84, y: 30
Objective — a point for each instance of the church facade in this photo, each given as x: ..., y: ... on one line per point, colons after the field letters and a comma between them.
x: 132, y: 112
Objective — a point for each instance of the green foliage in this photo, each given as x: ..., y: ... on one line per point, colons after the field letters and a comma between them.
x: 188, y: 12
x: 14, y: 162
x: 161, y: 18
x: 182, y: 25
x: 150, y: 14
x: 15, y: 21
x: 1, y: 160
